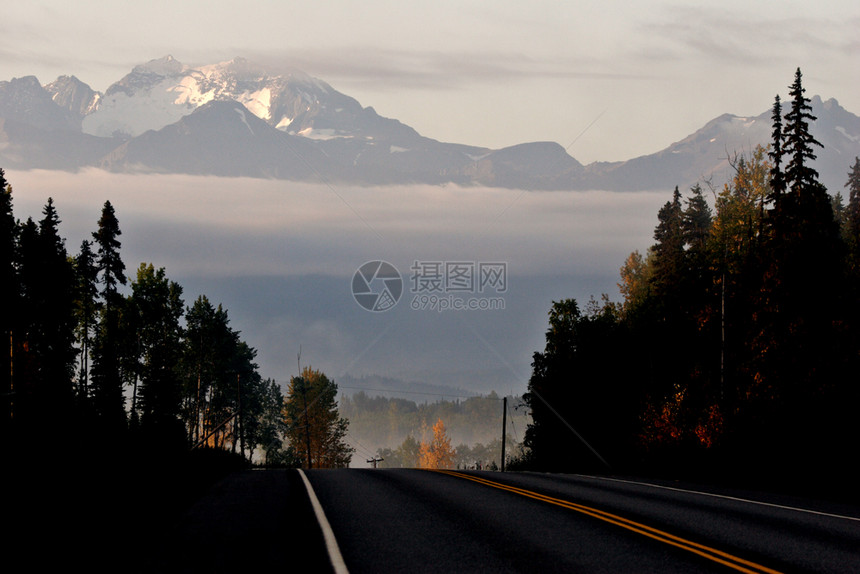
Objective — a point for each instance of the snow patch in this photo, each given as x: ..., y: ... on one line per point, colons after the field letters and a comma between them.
x: 258, y: 103
x: 245, y: 120
x: 151, y: 109
x: 284, y: 123
x: 323, y: 134
x: 397, y: 149
x: 712, y: 140
x: 189, y: 93
x: 845, y: 133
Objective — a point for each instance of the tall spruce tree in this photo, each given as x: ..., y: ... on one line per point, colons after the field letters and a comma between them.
x: 44, y: 344
x: 777, y: 180
x: 106, y: 380
x: 800, y: 176
x: 56, y: 312
x: 86, y: 310
x: 669, y: 248
x: 852, y: 217
x: 9, y: 294
x: 800, y: 355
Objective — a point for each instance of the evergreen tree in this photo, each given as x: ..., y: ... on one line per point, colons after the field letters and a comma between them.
x: 316, y: 431
x: 86, y: 310
x: 271, y: 426
x: 44, y: 347
x: 696, y: 278
x: 669, y: 249
x: 777, y: 180
x: 108, y: 401
x: 111, y: 267
x: 56, y: 310
x: 798, y: 348
x: 696, y: 221
x: 852, y: 217
x: 799, y: 176
x: 9, y: 292
x: 582, y: 401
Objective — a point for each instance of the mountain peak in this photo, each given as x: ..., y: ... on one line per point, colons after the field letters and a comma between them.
x: 166, y: 66
x: 71, y: 94
x: 240, y: 117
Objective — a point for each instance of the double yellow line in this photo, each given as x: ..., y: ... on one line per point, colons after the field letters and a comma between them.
x: 713, y: 554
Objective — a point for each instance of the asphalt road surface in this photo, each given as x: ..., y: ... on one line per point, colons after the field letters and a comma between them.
x: 442, y: 521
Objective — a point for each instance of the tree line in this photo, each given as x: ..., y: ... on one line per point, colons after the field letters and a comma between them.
x: 116, y: 361
x: 434, y: 449
x: 736, y: 347
x: 385, y: 421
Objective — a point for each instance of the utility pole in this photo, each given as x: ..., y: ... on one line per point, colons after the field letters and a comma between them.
x: 305, y: 401
x: 504, y: 428
x: 11, y: 374
x: 375, y: 460
x: 239, y: 416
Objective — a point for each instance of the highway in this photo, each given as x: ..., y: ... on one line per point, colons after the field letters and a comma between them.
x: 409, y: 520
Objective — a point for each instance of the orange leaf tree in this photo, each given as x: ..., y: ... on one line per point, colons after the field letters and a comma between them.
x: 437, y: 453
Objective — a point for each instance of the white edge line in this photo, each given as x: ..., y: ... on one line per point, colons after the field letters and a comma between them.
x: 331, y: 544
x: 736, y: 499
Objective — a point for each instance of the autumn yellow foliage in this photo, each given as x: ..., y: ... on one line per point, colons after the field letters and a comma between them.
x: 437, y: 453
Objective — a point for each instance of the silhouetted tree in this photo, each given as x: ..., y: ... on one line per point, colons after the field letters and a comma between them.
x: 583, y: 401
x: 209, y: 345
x: 669, y: 250
x: 45, y: 351
x: 157, y: 305
x: 852, y: 217
x: 777, y: 179
x: 316, y: 431
x: 9, y: 294
x: 800, y: 177
x: 86, y: 311
x: 106, y: 387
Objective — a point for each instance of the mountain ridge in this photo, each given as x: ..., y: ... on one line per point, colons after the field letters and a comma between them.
x: 306, y: 130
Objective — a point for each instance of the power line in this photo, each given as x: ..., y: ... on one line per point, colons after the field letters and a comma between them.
x: 453, y: 396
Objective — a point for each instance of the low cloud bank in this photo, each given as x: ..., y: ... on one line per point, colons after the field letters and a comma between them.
x: 231, y: 227
x: 280, y: 256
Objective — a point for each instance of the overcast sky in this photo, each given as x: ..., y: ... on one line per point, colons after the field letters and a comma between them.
x: 610, y: 80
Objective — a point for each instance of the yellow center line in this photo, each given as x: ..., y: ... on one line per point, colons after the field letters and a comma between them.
x: 713, y: 554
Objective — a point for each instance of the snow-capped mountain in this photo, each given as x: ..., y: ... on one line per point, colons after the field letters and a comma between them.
x: 238, y: 118
x: 25, y: 100
x: 705, y: 154
x: 161, y: 92
x: 71, y: 94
